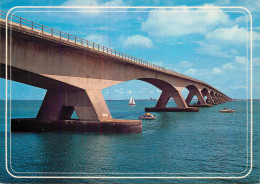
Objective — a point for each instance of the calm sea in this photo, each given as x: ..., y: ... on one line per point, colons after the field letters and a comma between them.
x: 204, y: 143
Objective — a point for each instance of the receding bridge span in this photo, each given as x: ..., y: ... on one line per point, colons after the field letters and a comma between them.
x: 74, y: 71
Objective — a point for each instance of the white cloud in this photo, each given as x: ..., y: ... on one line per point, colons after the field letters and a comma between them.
x: 241, y: 60
x: 223, y: 68
x: 130, y: 92
x: 256, y: 61
x: 114, y: 3
x: 228, y: 66
x: 233, y: 51
x: 241, y: 20
x: 120, y: 91
x: 191, y: 71
x: 218, y: 42
x: 233, y: 35
x: 99, y: 39
x: 185, y: 64
x: 213, y: 49
x: 236, y: 36
x: 244, y: 60
x: 80, y: 3
x: 217, y: 70
x: 93, y: 3
x: 256, y: 87
x: 202, y: 72
x: 219, y: 30
x: 160, y: 63
x: 101, y: 28
x: 138, y: 41
x: 185, y: 21
x: 222, y: 2
x: 239, y: 87
x: 252, y: 5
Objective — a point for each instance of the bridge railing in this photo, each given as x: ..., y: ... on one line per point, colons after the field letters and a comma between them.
x: 63, y: 36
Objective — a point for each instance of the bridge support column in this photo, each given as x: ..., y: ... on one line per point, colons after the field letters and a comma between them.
x: 218, y: 99
x: 99, y: 104
x: 189, y: 97
x: 163, y: 100
x: 223, y: 99
x: 201, y: 102
x: 59, y: 105
x: 214, y: 99
x: 165, y: 97
x: 209, y: 99
x: 90, y: 106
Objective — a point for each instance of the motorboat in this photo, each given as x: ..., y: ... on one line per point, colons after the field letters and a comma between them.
x: 131, y: 102
x: 227, y: 110
x: 147, y: 116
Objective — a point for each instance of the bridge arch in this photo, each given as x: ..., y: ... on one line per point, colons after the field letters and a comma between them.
x: 159, y: 83
x: 168, y: 91
x: 194, y: 91
x: 212, y: 95
x: 171, y: 89
x: 217, y: 97
x: 208, y: 97
x: 204, y: 91
x: 221, y: 98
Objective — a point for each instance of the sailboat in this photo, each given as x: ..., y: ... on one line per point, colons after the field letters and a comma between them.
x: 131, y: 102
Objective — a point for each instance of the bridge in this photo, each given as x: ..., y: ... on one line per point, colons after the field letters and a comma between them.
x: 74, y: 71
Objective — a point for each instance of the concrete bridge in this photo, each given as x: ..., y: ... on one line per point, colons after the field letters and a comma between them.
x: 74, y: 71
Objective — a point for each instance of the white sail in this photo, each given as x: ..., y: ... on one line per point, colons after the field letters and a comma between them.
x: 133, y: 102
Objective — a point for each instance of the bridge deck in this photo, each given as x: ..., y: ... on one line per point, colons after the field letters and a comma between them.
x: 20, y: 24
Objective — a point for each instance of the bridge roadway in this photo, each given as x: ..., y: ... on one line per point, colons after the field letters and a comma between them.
x: 74, y: 71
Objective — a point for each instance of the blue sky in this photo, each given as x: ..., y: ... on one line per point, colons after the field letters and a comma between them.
x: 209, y: 46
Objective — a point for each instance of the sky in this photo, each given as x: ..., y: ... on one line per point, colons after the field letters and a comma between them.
x: 207, y: 44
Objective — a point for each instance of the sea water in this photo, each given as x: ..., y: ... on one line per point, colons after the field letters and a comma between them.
x: 204, y: 143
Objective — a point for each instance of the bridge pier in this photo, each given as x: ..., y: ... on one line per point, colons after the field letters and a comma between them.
x: 201, y: 102
x: 165, y: 97
x: 209, y: 100
x: 90, y: 106
x: 59, y: 105
x: 214, y: 99
x: 218, y: 99
x: 179, y: 100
